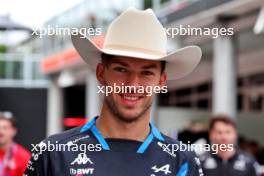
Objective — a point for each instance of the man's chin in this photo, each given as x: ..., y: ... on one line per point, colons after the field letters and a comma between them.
x: 129, y: 117
x: 2, y: 144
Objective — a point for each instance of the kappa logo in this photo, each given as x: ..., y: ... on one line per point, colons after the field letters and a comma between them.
x: 165, y: 169
x: 82, y: 159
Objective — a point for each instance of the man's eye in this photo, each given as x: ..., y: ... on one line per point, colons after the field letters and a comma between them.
x: 120, y: 69
x: 147, y: 73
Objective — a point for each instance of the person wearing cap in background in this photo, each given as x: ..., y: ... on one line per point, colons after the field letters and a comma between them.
x: 229, y: 159
x: 134, y: 54
x: 13, y: 157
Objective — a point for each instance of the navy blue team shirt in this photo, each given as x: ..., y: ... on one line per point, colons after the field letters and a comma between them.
x: 111, y: 157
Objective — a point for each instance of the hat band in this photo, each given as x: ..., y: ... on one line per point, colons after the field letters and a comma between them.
x: 133, y: 49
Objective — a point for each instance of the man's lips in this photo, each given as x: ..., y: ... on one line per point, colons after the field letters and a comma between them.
x: 130, y: 99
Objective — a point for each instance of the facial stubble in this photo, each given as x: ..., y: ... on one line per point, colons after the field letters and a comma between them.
x: 114, y: 110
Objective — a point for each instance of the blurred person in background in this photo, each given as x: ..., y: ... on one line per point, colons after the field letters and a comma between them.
x: 227, y: 161
x: 13, y: 157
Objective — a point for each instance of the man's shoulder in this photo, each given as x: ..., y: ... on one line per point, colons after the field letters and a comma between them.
x: 71, y: 135
x: 180, y: 148
x: 20, y: 148
x: 186, y: 156
x: 205, y: 155
x: 243, y: 155
x: 22, y: 152
x: 65, y: 134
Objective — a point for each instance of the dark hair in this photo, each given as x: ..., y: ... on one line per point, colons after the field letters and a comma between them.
x: 221, y: 118
x: 106, y: 59
x: 9, y: 117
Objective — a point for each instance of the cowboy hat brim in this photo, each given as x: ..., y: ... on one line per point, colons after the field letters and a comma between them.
x: 178, y: 63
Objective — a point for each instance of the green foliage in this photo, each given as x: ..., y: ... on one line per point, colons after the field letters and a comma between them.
x: 3, y: 49
x: 147, y: 4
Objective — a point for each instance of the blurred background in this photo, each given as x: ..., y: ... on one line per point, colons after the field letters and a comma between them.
x: 48, y: 88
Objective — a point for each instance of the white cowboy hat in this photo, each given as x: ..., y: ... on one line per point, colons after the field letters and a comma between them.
x: 139, y: 34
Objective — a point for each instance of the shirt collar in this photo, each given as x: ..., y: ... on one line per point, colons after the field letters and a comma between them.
x: 155, y: 133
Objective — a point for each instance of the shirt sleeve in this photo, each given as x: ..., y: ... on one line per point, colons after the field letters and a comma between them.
x: 23, y: 160
x: 195, y: 168
x: 254, y: 168
x: 38, y: 164
x: 191, y: 166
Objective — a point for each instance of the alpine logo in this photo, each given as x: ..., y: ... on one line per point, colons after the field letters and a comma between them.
x: 81, y: 159
x: 165, y: 169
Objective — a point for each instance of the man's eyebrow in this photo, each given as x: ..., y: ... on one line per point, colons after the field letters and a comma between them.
x: 119, y: 62
x: 150, y: 66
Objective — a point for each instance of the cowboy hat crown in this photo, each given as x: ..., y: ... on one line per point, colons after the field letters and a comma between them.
x: 146, y: 35
x: 139, y: 34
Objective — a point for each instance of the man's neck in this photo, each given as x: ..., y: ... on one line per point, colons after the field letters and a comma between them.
x: 6, y: 146
x: 226, y: 155
x: 112, y: 127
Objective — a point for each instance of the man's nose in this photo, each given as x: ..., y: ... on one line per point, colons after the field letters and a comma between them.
x: 133, y: 80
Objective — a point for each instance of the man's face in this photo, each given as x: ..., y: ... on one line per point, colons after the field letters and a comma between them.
x: 7, y: 132
x: 223, y: 133
x: 130, y: 72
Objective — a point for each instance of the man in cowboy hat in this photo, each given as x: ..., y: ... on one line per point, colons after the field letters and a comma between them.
x: 134, y: 54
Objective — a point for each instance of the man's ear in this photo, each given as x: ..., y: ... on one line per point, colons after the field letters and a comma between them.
x: 210, y: 135
x: 163, y: 79
x: 14, y: 132
x: 100, y: 69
